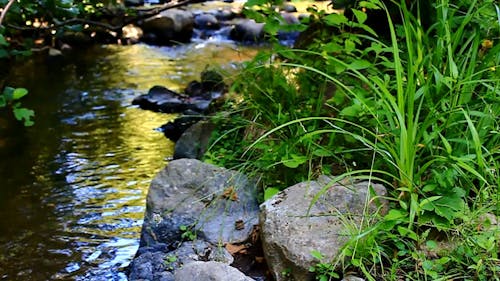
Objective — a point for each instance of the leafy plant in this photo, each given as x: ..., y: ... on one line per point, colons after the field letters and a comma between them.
x: 10, y: 98
x: 187, y: 233
x: 418, y: 111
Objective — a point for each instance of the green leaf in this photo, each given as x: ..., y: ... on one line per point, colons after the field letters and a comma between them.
x: 332, y: 47
x: 316, y: 254
x: 394, y: 215
x: 3, y: 102
x: 270, y: 192
x: 406, y: 232
x: 3, y: 42
x: 349, y: 45
x: 429, y: 187
x: 24, y: 113
x: 360, y: 15
x: 19, y: 93
x: 294, y: 162
x: 335, y: 19
x: 449, y: 206
x: 321, y: 152
x: 431, y: 244
x: 351, y: 111
x: 272, y: 26
x: 8, y: 93
x: 251, y: 3
x: 3, y: 53
x: 446, y: 144
x: 359, y: 64
x: 427, y: 201
x: 372, y: 4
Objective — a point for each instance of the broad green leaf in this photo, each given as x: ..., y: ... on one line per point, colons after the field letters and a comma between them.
x: 349, y: 45
x: 395, y: 215
x: 429, y: 200
x: 351, y: 111
x: 367, y: 29
x: 332, y: 47
x: 272, y: 26
x: 360, y: 15
x: 294, y: 161
x: 270, y: 192
x: 429, y: 187
x: 19, y: 93
x: 335, y: 19
x: 3, y: 102
x: 448, y: 206
x: 431, y: 244
x: 321, y: 152
x: 406, y: 232
x: 359, y: 64
x: 3, y: 42
x: 373, y: 4
x: 24, y: 113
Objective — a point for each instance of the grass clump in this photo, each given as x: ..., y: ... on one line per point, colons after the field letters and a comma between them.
x: 417, y: 110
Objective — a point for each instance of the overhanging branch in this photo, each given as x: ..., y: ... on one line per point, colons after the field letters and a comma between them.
x: 57, y: 24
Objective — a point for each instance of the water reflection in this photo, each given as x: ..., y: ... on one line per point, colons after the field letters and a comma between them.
x: 73, y: 187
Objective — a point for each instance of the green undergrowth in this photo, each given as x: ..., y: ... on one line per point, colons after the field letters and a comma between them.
x: 417, y: 110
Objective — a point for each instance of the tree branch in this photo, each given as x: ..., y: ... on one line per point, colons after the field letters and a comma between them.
x: 149, y: 13
x: 5, y: 9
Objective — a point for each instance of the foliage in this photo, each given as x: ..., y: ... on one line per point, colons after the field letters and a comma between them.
x: 10, y: 98
x: 417, y: 109
x: 188, y: 233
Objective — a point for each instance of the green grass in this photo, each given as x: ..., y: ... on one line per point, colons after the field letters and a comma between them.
x: 418, y: 112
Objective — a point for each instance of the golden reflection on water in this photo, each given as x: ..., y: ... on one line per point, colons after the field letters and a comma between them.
x: 77, y: 195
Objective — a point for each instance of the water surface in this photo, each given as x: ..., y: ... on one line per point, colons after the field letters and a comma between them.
x: 73, y: 187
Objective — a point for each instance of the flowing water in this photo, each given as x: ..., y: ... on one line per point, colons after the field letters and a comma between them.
x: 73, y: 187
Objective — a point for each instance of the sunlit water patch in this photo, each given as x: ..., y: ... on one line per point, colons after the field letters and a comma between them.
x: 73, y: 187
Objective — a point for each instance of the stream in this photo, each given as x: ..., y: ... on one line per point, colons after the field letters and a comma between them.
x: 73, y: 186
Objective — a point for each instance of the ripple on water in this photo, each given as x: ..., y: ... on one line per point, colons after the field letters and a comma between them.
x: 75, y: 192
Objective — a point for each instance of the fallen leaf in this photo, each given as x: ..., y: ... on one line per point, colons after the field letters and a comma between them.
x: 236, y: 249
x: 230, y: 193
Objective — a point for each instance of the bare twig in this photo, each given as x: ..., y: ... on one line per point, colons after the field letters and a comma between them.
x: 5, y: 9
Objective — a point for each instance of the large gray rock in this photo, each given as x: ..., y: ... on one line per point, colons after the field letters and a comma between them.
x: 210, y: 271
x: 218, y: 205
x: 292, y: 227
x: 173, y: 25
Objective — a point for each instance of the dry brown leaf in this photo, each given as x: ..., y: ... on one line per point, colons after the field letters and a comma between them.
x: 236, y: 249
x: 230, y: 193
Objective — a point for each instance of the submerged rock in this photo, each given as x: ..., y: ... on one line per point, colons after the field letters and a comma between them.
x: 292, y: 227
x: 161, y: 99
